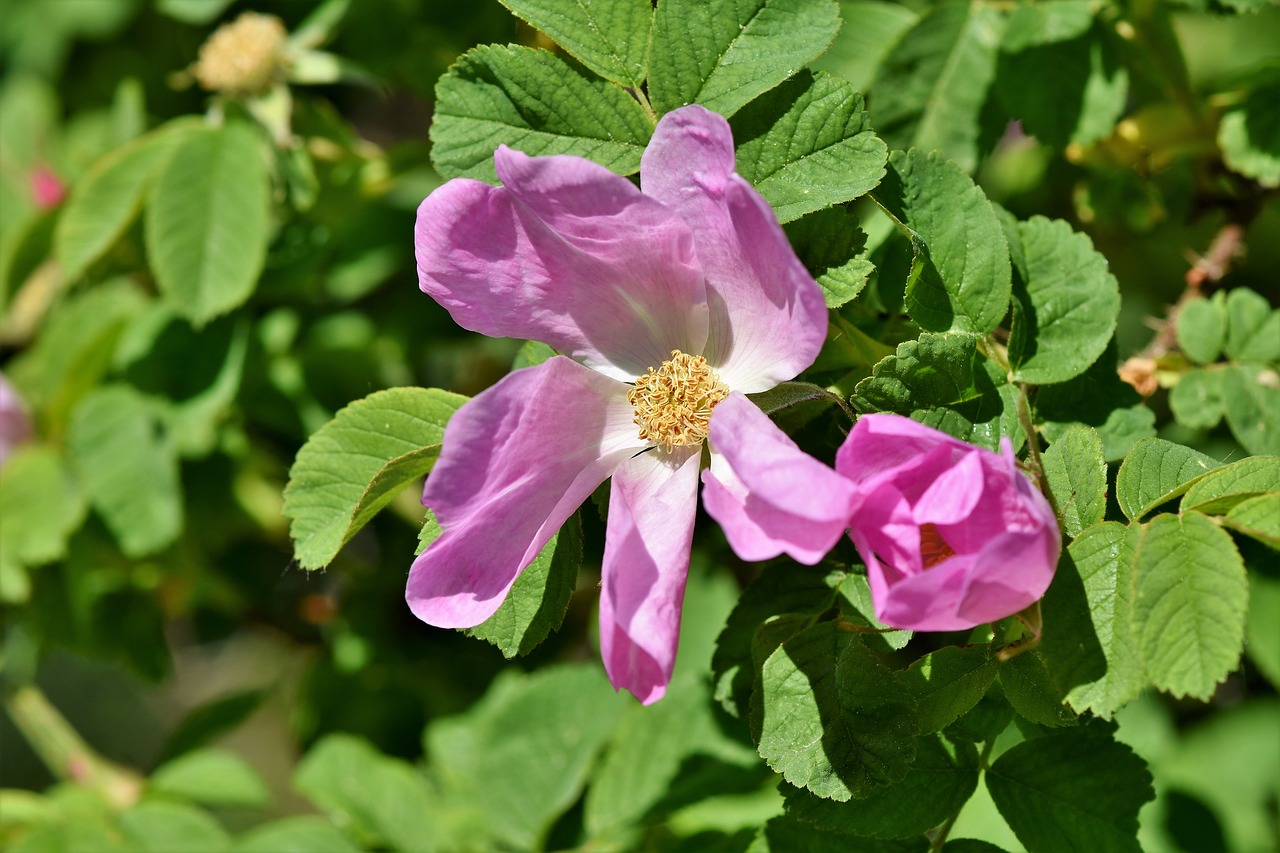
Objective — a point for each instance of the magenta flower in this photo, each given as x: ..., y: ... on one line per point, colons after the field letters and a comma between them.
x: 664, y: 302
x: 953, y: 535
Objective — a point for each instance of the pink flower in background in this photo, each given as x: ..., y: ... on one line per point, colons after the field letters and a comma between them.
x: 47, y: 188
x: 953, y: 535
x: 15, y: 426
x: 664, y: 302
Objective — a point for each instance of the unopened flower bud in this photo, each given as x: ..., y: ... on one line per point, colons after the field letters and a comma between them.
x: 244, y: 56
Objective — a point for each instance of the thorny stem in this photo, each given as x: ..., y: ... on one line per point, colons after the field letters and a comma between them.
x: 65, y: 753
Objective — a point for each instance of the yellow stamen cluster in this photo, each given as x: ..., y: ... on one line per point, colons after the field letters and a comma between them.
x: 673, y: 401
x: 243, y: 56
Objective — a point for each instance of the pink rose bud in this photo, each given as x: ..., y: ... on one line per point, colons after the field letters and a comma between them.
x: 47, y: 188
x: 953, y: 535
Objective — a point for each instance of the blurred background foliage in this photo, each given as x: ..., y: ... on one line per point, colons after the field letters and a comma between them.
x: 158, y: 607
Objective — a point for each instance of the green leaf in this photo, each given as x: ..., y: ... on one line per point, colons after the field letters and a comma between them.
x: 1071, y: 790
x: 611, y: 37
x: 970, y: 845
x: 830, y: 718
x: 724, y: 53
x: 960, y: 274
x: 41, y: 505
x: 1077, y: 474
x: 521, y: 756
x: 1190, y: 600
x: 930, y: 91
x: 935, y: 788
x: 789, y: 835
x: 212, y: 777
x: 1202, y: 329
x: 538, y: 600
x: 155, y: 827
x: 1065, y: 303
x: 1253, y: 329
x: 1262, y: 636
x: 358, y: 462
x: 535, y: 102
x: 128, y: 468
x: 106, y: 200
x: 946, y: 382
x: 193, y: 11
x: 207, y: 722
x: 985, y: 721
x: 1033, y: 25
x: 860, y: 48
x: 206, y: 221
x: 1259, y: 518
x: 1031, y: 691
x: 1089, y: 642
x: 858, y: 613
x: 808, y: 145
x: 1252, y: 394
x: 295, y: 835
x: 832, y: 247
x: 383, y: 800
x: 1100, y: 399
x: 1249, y: 136
x: 1197, y: 401
x: 1225, y: 487
x: 948, y: 683
x: 1156, y: 471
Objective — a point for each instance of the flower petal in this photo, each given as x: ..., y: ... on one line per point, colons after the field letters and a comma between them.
x: 880, y: 443
x: 567, y: 253
x: 646, y: 561
x: 512, y: 469
x: 769, y: 495
x: 768, y: 317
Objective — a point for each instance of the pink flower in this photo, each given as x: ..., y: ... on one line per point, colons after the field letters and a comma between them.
x: 15, y: 426
x: 666, y: 303
x: 953, y: 535
x: 47, y: 188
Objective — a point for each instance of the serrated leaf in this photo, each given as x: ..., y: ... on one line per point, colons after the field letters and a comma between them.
x: 1031, y: 691
x: 985, y: 721
x: 157, y: 827
x: 206, y: 221
x: 949, y: 682
x: 106, y: 200
x: 831, y: 245
x: 930, y: 90
x: 535, y: 102
x: 946, y: 382
x: 1202, y: 329
x: 1220, y: 490
x: 41, y: 505
x: 724, y: 53
x: 1077, y: 474
x: 1253, y: 328
x: 1258, y: 518
x: 1252, y: 395
x: 1197, y: 401
x: 295, y: 835
x: 358, y: 462
x: 212, y: 777
x: 808, y: 145
x: 1249, y: 136
x: 1066, y: 303
x: 1097, y: 398
x: 1071, y: 790
x: 1191, y: 595
x: 830, y: 718
x: 1089, y: 643
x: 611, y: 37
x: 858, y: 613
x: 934, y: 789
x: 960, y: 273
x: 128, y: 468
x: 1156, y: 471
x: 788, y: 835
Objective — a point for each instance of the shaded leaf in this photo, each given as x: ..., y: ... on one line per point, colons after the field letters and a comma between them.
x: 1156, y: 471
x: 1077, y: 474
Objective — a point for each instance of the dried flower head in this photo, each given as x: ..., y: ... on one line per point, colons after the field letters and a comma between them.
x: 244, y: 56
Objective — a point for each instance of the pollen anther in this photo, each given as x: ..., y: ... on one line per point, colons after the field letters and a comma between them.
x: 673, y: 401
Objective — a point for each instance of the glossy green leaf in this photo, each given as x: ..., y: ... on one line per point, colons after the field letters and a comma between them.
x: 212, y: 777
x: 1066, y: 303
x: 1071, y: 790
x: 611, y: 37
x: 358, y: 462
x: 1252, y: 395
x: 1077, y: 473
x: 1197, y: 400
x: 1191, y: 594
x: 724, y: 53
x: 960, y: 274
x: 830, y: 717
x: 535, y: 102
x: 949, y: 682
x: 1219, y: 491
x: 1202, y: 329
x: 1156, y: 471
x: 206, y: 221
x: 808, y: 145
x: 831, y: 245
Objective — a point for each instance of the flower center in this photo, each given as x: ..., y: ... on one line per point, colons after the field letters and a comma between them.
x: 673, y: 401
x: 933, y: 548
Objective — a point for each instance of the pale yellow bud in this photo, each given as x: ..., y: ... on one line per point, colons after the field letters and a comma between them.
x: 244, y: 56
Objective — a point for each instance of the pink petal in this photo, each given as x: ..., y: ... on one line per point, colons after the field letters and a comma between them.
x: 768, y: 317
x: 1012, y: 572
x: 769, y: 495
x: 567, y: 253
x: 652, y: 506
x: 953, y: 494
x: 516, y: 462
x: 881, y: 443
x: 928, y: 601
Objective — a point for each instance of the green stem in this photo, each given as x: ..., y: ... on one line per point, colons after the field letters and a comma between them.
x: 65, y: 753
x: 1033, y: 450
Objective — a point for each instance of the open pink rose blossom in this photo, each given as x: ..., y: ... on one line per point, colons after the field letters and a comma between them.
x: 953, y: 535
x: 666, y: 302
